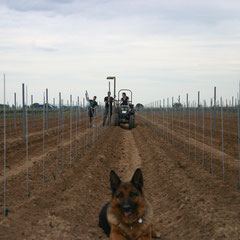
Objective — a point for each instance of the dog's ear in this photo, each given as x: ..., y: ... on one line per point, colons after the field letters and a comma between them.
x: 114, y: 181
x: 137, y: 180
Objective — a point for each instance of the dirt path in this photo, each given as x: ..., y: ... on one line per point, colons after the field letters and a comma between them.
x: 131, y: 159
x: 188, y: 202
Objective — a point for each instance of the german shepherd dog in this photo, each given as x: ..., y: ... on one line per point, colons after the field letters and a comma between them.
x: 128, y: 216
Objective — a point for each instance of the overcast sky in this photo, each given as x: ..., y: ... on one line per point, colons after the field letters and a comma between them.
x: 158, y: 48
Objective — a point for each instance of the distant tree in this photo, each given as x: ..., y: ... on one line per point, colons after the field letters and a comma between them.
x: 177, y: 105
x: 2, y: 106
x: 139, y: 107
x: 35, y: 105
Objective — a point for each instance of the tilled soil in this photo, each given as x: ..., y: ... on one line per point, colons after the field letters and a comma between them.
x: 188, y: 201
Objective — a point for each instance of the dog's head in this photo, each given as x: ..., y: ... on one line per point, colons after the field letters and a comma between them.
x: 128, y: 202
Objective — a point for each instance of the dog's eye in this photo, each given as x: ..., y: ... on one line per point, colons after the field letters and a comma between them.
x: 133, y: 194
x: 120, y: 195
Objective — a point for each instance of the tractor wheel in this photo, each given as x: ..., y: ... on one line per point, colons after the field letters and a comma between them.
x: 134, y: 123
x: 116, y: 119
x: 131, y: 122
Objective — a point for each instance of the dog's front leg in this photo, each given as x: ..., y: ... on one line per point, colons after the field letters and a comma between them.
x: 116, y: 235
x: 146, y: 237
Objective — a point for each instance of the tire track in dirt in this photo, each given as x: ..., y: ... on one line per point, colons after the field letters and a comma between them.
x: 131, y: 159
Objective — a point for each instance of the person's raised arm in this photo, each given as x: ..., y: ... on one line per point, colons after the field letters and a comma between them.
x: 86, y: 94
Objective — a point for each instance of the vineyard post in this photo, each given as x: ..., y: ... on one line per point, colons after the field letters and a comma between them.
x: 211, y: 164
x: 76, y: 133
x: 203, y: 133
x: 26, y: 112
x: 163, y: 117
x: 172, y: 118
x: 167, y: 117
x: 4, y: 149
x: 58, y: 133
x: 160, y: 118
x: 62, y: 122
x: 187, y: 118
x: 183, y: 126
x: 239, y: 139
x: 54, y: 110
x: 47, y: 107
x: 179, y: 107
x: 214, y: 117
x: 189, y: 130
x: 32, y: 122
x: 15, y: 110
x: 152, y: 107
x: 195, y: 132
x: 43, y: 161
x: 223, y: 174
x: 70, y: 157
x: 87, y: 126
x: 23, y: 109
x: 198, y: 107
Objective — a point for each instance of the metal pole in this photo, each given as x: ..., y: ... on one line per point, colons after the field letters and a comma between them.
x: 27, y: 187
x: 195, y: 131
x: 32, y: 110
x: 43, y: 162
x: 239, y: 138
x: 189, y: 131
x: 23, y: 109
x: 58, y: 138
x: 5, y: 152
x: 47, y: 107
x: 203, y: 119
x: 62, y: 137
x: 214, y: 117
x: 172, y: 118
x: 114, y: 93
x: 109, y: 99
x: 211, y: 165
x: 70, y: 160
x: 167, y: 118
x: 15, y: 109
x: 198, y: 106
x: 183, y: 125
x: 222, y: 141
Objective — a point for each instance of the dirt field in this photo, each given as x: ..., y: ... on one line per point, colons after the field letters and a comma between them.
x: 188, y: 201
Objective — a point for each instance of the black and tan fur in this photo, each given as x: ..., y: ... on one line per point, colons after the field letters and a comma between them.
x: 128, y: 216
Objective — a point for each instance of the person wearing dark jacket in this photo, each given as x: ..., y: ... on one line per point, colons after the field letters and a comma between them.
x: 108, y: 100
x: 124, y: 99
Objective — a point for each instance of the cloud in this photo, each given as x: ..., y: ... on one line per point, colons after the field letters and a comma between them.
x: 178, y: 44
x: 34, y: 5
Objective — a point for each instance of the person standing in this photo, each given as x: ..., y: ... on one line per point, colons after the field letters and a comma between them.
x: 108, y: 108
x: 91, y: 109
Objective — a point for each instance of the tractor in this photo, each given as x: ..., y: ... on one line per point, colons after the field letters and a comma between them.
x: 125, y: 114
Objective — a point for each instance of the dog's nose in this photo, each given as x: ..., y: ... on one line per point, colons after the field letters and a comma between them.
x: 126, y: 206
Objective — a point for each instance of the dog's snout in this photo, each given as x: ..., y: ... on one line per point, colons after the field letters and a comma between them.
x: 126, y: 205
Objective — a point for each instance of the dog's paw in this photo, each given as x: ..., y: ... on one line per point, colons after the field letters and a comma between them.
x: 156, y: 235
